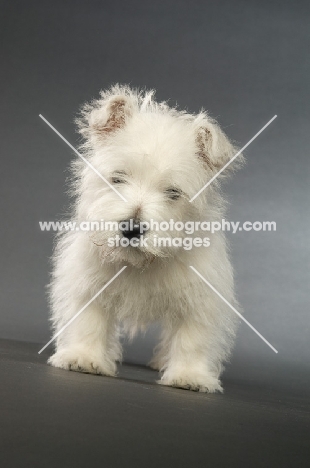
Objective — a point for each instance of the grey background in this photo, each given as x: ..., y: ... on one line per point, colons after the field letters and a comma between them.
x: 244, y: 61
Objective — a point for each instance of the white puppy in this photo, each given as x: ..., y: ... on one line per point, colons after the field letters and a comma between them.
x: 157, y: 158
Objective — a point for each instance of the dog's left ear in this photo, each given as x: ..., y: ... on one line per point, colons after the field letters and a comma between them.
x: 213, y: 146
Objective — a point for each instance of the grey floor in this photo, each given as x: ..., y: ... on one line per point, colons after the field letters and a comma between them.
x: 56, y: 418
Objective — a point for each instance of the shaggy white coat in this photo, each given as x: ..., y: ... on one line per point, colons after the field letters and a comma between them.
x: 153, y: 148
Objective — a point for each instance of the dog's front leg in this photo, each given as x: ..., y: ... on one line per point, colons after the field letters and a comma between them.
x: 89, y: 344
x: 183, y: 353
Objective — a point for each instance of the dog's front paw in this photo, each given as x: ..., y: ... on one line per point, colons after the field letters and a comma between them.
x: 82, y: 362
x: 189, y: 381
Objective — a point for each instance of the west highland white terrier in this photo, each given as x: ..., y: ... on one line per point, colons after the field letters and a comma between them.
x: 157, y: 158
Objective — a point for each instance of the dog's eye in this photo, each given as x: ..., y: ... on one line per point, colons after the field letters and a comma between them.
x: 173, y: 193
x: 118, y: 180
x: 119, y: 177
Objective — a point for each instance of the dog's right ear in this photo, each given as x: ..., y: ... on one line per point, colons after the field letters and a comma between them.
x: 105, y: 116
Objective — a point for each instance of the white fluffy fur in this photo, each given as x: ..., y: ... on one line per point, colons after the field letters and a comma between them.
x: 157, y: 147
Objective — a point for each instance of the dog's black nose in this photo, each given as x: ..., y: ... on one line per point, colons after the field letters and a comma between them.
x: 131, y: 233
x: 132, y: 228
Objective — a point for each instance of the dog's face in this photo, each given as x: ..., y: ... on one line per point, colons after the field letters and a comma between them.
x: 157, y: 159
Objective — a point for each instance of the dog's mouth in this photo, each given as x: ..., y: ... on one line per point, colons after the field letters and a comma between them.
x: 139, y: 250
x: 137, y: 243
